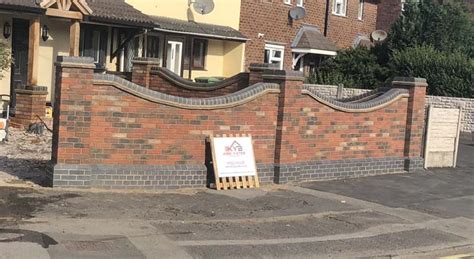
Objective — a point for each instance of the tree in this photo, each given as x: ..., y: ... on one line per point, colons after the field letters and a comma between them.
x: 431, y: 39
x: 447, y: 74
x: 5, y: 57
x: 447, y: 27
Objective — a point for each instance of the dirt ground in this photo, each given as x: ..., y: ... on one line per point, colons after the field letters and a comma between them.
x: 24, y: 157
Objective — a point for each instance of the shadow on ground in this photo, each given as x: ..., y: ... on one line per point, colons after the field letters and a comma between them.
x: 18, y: 204
x: 29, y: 170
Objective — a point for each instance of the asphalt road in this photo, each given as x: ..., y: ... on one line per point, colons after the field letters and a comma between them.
x: 443, y: 192
x: 425, y: 214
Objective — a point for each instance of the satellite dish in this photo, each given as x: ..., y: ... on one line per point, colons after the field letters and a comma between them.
x: 297, y: 13
x: 379, y: 35
x: 203, y: 6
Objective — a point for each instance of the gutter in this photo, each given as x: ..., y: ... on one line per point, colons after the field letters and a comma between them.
x: 203, y: 35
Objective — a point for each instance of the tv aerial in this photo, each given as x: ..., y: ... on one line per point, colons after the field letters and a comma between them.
x: 379, y: 35
x: 202, y: 6
x: 297, y: 13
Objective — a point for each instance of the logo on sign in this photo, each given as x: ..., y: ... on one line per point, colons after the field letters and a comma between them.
x: 234, y: 150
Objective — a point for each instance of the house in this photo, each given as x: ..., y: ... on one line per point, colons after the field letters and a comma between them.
x: 205, y: 45
x: 114, y: 32
x: 176, y: 35
x: 301, y: 44
x: 39, y: 31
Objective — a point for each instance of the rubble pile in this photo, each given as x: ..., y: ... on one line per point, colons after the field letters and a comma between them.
x: 25, y: 156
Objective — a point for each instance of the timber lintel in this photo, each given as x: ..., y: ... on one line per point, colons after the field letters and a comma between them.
x: 64, y: 14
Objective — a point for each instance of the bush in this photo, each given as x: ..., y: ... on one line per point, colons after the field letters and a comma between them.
x: 447, y: 74
x: 5, y: 57
x: 356, y: 68
x: 447, y: 27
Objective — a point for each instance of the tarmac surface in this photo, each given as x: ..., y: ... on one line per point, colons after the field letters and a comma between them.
x: 426, y: 214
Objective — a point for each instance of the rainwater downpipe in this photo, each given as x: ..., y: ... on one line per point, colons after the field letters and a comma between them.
x: 326, y: 18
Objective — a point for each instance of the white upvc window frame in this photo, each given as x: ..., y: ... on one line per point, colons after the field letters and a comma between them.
x: 287, y: 2
x: 402, y: 5
x: 343, y: 10
x: 272, y: 48
x: 360, y: 10
x: 300, y: 3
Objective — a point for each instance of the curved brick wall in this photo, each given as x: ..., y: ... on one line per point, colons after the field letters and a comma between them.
x: 226, y: 101
x: 111, y: 133
x: 368, y: 102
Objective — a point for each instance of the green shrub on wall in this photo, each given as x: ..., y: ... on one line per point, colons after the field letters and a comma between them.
x: 448, y: 74
x: 357, y: 68
x: 5, y: 57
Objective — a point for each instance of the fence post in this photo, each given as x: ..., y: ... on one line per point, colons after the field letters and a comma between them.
x: 340, y: 91
x: 415, y: 120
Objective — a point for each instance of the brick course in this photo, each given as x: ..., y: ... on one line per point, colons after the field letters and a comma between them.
x: 109, y: 137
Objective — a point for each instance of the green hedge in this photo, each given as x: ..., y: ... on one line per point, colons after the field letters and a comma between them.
x: 5, y: 57
x: 357, y: 68
x: 448, y: 74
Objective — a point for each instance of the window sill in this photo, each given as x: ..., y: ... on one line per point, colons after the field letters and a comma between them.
x: 340, y: 15
x: 360, y: 20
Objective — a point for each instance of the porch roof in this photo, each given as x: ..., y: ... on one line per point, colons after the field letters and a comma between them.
x: 310, y: 40
x: 105, y: 11
x: 206, y: 30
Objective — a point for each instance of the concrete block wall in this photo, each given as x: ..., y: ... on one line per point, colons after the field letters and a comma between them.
x: 467, y: 104
x: 467, y: 121
x: 112, y: 133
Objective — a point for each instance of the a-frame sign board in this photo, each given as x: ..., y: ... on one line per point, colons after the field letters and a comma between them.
x: 234, y: 162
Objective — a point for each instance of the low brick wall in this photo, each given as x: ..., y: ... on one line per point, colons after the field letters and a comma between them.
x: 147, y: 73
x: 467, y: 121
x: 30, y: 105
x: 112, y: 133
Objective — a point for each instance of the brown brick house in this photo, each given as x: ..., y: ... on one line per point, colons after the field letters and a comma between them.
x: 327, y: 26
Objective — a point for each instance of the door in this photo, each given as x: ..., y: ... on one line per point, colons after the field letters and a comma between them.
x: 174, y: 56
x: 19, y: 77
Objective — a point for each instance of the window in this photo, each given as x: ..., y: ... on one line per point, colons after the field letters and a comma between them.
x: 153, y: 47
x: 300, y: 3
x: 287, y: 2
x: 360, y: 13
x: 94, y: 43
x: 403, y: 2
x: 274, y: 55
x: 199, y: 53
x: 339, y: 7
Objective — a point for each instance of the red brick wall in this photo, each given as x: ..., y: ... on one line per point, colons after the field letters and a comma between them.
x: 99, y: 124
x: 30, y: 103
x: 122, y: 129
x: 270, y: 17
x: 388, y: 13
x: 167, y: 86
x: 327, y: 134
x: 147, y: 74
